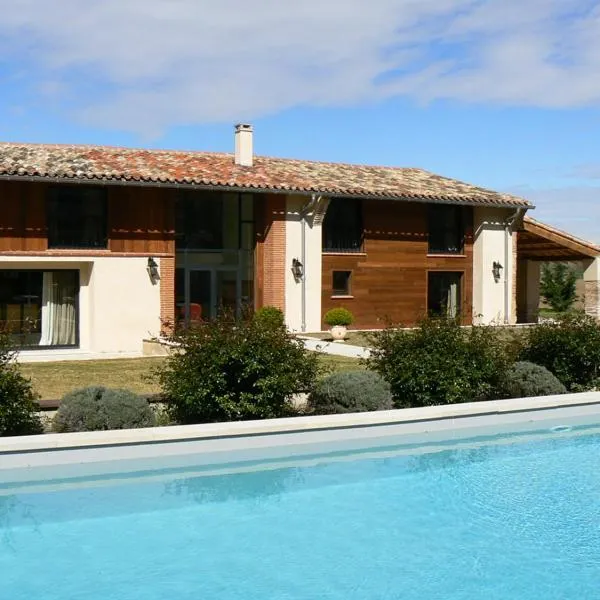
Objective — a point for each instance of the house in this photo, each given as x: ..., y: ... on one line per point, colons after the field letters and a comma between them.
x: 100, y: 245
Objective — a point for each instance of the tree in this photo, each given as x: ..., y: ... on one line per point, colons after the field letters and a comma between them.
x: 557, y: 286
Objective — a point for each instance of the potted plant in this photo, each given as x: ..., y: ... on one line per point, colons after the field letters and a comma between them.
x: 338, y: 320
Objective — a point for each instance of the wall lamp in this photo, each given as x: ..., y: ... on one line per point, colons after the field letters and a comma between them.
x: 497, y: 271
x: 297, y: 269
x: 152, y: 269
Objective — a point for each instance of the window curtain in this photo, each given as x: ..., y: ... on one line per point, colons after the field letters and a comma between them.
x: 452, y: 302
x: 58, y: 309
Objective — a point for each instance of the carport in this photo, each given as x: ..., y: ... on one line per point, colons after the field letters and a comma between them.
x: 539, y: 243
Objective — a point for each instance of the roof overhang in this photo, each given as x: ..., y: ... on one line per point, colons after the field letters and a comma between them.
x: 463, y: 201
x: 538, y: 241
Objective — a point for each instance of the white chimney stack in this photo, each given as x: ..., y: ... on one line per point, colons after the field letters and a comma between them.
x: 243, y: 145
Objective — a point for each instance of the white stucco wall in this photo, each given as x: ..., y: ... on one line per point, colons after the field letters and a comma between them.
x: 489, y: 247
x: 312, y: 267
x: 124, y: 305
x: 118, y: 304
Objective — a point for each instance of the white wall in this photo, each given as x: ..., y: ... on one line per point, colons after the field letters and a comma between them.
x: 118, y: 305
x: 123, y: 305
x: 312, y: 267
x: 490, y: 247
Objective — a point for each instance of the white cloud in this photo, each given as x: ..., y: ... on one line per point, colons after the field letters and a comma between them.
x: 143, y: 65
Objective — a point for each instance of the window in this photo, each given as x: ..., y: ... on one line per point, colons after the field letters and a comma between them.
x: 77, y: 217
x: 40, y: 308
x: 341, y: 283
x: 342, y: 227
x: 199, y: 221
x: 446, y: 229
x: 444, y: 294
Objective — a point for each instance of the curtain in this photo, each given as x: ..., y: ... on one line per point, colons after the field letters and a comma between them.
x: 452, y: 303
x: 58, y: 309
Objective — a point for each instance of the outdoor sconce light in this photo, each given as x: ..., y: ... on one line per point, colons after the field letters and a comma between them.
x: 297, y: 269
x: 152, y: 269
x: 496, y: 270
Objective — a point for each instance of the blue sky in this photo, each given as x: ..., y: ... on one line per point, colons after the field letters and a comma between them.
x: 501, y: 93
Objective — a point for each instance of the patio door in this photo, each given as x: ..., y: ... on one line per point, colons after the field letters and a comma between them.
x: 208, y: 291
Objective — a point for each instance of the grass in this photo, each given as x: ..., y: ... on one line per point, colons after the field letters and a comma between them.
x: 53, y: 380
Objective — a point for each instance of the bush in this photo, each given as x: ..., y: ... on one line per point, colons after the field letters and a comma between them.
x: 100, y: 409
x: 227, y: 370
x: 18, y: 406
x: 339, y: 316
x: 440, y: 363
x: 525, y: 379
x: 558, y: 286
x: 270, y: 316
x: 568, y: 347
x: 353, y: 391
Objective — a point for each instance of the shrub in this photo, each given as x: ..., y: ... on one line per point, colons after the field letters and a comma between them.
x: 270, y: 316
x: 18, y: 407
x: 100, y: 409
x: 568, y: 347
x: 525, y: 379
x: 440, y: 363
x: 228, y: 370
x: 352, y: 391
x: 339, y: 316
x: 558, y: 286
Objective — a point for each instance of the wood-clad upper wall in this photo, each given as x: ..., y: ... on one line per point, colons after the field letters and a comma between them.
x: 140, y: 220
x: 22, y: 217
x: 389, y: 279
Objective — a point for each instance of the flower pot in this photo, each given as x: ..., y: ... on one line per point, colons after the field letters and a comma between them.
x: 338, y: 333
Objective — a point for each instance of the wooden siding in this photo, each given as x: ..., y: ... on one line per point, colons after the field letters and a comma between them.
x: 389, y: 279
x: 22, y: 217
x: 140, y: 220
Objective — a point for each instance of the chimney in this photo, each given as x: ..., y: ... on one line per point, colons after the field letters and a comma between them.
x: 243, y: 145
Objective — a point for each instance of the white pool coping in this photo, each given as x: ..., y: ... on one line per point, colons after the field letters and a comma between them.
x: 53, y: 461
x: 418, y: 417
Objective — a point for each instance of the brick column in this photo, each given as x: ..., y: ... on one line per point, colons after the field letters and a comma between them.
x: 167, y: 293
x: 591, y: 279
x: 274, y: 252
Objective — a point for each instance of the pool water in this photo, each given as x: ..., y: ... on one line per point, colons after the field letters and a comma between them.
x: 515, y: 521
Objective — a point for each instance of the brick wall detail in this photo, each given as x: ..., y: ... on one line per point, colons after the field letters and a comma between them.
x: 274, y: 252
x: 167, y: 292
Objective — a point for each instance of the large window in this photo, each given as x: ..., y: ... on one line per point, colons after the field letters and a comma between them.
x: 444, y: 294
x: 342, y: 227
x: 446, y: 229
x: 77, y: 217
x: 39, y: 308
x: 215, y: 241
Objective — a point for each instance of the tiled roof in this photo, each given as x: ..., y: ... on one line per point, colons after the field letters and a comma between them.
x: 127, y: 165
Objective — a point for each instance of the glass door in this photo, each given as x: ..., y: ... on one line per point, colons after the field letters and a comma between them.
x: 202, y: 293
x: 200, y: 300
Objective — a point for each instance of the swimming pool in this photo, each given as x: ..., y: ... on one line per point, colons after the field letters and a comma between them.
x: 496, y: 517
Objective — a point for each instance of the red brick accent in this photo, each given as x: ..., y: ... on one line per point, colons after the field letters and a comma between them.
x: 274, y: 252
x: 167, y: 293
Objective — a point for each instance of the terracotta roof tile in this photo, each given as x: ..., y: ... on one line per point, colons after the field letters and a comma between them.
x: 85, y: 163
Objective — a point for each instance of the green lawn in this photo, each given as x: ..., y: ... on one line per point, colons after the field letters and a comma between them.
x: 53, y: 380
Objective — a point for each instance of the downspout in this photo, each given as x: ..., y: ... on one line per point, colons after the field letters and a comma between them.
x: 304, y: 212
x: 508, y: 225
